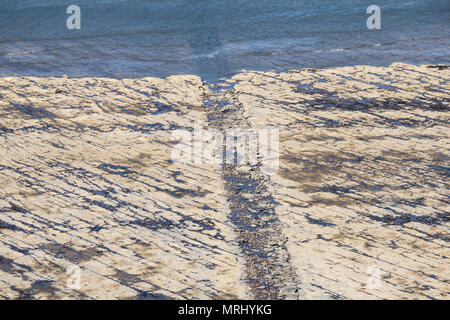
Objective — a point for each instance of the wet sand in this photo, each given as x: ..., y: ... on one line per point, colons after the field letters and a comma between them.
x: 87, y: 179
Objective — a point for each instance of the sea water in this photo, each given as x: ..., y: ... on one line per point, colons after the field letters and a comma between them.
x: 214, y: 39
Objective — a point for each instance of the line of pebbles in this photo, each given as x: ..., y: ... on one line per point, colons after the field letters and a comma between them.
x: 269, y: 271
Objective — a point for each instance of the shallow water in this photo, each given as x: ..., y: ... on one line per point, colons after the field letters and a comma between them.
x: 215, y: 39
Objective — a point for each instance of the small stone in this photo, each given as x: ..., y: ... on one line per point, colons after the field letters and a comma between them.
x: 244, y: 169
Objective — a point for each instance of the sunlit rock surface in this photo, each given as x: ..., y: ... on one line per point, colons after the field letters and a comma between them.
x: 357, y: 209
x: 86, y: 179
x: 363, y: 178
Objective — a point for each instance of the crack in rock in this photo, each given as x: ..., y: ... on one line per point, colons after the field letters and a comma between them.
x: 268, y: 267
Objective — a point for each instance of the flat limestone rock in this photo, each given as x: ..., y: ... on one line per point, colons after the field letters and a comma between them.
x: 363, y: 180
x: 87, y: 179
x: 358, y: 207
